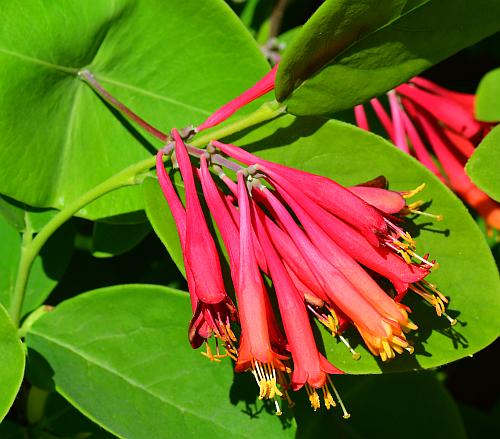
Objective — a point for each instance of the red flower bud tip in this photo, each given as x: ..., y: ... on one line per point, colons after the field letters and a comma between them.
x: 387, y: 201
x: 397, y: 118
x: 263, y: 86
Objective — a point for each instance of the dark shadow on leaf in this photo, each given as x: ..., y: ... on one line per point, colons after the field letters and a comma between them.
x: 38, y: 371
x: 429, y: 226
x: 57, y: 252
x: 300, y: 127
x: 244, y: 389
x: 146, y: 144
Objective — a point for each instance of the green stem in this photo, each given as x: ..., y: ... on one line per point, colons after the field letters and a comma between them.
x: 129, y: 176
x: 31, y: 247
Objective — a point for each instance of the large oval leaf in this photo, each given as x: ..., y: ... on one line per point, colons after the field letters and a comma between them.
x: 171, y: 61
x: 121, y: 356
x: 467, y: 272
x: 351, y: 50
x: 11, y: 363
x: 483, y: 165
x: 487, y: 105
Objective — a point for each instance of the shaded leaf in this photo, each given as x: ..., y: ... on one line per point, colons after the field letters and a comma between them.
x: 110, y: 240
x: 350, y: 51
x: 376, y: 414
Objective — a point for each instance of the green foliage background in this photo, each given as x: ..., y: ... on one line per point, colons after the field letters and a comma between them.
x: 112, y: 358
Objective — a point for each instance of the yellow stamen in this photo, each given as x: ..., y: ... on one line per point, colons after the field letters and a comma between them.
x: 313, y: 397
x: 278, y: 408
x: 265, y: 376
x: 413, y: 192
x: 209, y: 354
x: 437, y: 217
x: 355, y: 355
x: 346, y: 415
x: 452, y: 321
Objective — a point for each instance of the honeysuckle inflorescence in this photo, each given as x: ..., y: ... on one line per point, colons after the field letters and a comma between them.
x: 325, y: 248
x: 437, y: 126
x: 300, y: 247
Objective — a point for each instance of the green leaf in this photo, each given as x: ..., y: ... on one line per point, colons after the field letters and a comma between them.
x: 467, y: 273
x: 382, y: 405
x: 487, y: 103
x: 23, y: 217
x: 172, y: 62
x: 10, y: 430
x: 11, y: 364
x: 47, y: 269
x: 351, y: 50
x: 482, y: 167
x: 62, y: 420
x: 110, y: 240
x: 131, y: 340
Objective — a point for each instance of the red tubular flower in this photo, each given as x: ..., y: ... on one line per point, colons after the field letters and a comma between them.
x: 383, y: 336
x: 429, y: 115
x: 316, y: 259
x: 449, y: 111
x: 219, y: 208
x: 389, y: 202
x: 310, y: 367
x: 213, y: 308
x: 454, y: 168
x: 263, y: 86
x: 256, y: 352
x: 199, y: 329
x: 329, y: 194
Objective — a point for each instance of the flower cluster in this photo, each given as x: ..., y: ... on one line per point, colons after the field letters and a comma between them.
x: 431, y: 122
x: 326, y: 248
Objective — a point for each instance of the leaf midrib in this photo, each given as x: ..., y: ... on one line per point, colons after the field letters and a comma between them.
x: 120, y: 84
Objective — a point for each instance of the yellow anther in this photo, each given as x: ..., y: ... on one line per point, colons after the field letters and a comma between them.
x: 452, y: 321
x: 313, y: 397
